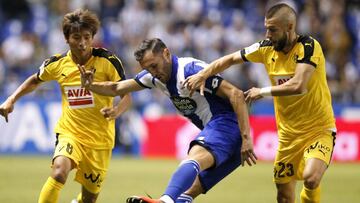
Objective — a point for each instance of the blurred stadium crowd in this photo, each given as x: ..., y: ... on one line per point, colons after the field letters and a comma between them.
x: 204, y: 29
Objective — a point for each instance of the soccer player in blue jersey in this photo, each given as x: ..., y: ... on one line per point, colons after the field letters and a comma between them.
x: 221, y: 113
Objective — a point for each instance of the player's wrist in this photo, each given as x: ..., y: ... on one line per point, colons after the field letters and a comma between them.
x: 265, y: 91
x: 202, y: 74
x: 88, y: 86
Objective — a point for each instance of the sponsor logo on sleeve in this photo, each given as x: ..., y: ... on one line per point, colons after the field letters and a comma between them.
x: 252, y: 48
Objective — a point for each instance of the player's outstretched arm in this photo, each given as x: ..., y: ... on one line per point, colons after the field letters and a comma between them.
x: 114, y: 88
x: 27, y: 86
x: 197, y: 81
x: 107, y: 88
x: 237, y: 100
x: 296, y: 85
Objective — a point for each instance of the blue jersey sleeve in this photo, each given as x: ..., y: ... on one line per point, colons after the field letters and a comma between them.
x: 145, y: 79
x: 212, y: 83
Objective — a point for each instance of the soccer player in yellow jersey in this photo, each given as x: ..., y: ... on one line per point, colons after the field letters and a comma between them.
x: 86, y: 130
x: 305, y: 121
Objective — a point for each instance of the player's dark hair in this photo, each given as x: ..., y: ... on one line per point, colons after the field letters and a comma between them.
x: 78, y: 20
x: 155, y: 45
x: 277, y: 7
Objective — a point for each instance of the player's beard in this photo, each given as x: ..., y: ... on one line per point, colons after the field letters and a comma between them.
x: 281, y: 43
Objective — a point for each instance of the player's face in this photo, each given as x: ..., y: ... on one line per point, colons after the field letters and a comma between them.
x: 159, y: 65
x: 276, y: 34
x: 80, y: 43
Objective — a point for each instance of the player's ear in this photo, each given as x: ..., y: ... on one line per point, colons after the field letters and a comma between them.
x: 290, y: 27
x: 166, y: 54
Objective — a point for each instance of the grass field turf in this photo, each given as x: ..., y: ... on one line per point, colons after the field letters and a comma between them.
x: 21, y: 179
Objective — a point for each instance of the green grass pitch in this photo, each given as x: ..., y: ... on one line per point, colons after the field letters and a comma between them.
x: 21, y: 179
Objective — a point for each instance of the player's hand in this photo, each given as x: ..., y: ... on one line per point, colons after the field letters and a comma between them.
x: 110, y: 113
x: 252, y: 94
x: 195, y: 82
x: 6, y: 108
x: 87, y: 76
x: 247, y: 152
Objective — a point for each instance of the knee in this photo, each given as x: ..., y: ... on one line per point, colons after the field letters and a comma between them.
x: 60, y: 173
x: 313, y: 172
x: 311, y: 181
x: 312, y: 178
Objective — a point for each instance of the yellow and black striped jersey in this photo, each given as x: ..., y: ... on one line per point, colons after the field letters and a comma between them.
x: 81, y: 118
x: 297, y: 114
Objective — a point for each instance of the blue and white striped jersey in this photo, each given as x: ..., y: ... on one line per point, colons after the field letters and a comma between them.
x: 199, y: 109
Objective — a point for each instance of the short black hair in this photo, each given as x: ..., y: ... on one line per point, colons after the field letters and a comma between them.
x: 80, y: 19
x: 277, y: 7
x: 156, y: 45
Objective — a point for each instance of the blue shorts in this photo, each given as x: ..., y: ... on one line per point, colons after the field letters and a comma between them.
x: 221, y: 137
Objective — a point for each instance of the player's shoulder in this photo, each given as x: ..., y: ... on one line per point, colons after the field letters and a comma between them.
x: 102, y: 52
x: 309, y: 46
x: 110, y: 57
x: 191, y: 65
x: 190, y: 61
x: 187, y: 59
x: 53, y: 59
x: 265, y: 43
x: 307, y: 40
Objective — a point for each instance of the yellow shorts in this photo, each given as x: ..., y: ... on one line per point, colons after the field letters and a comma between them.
x: 91, y: 164
x: 290, y: 160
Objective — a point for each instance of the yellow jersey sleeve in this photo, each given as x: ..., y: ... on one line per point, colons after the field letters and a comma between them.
x: 111, y: 63
x: 311, y: 52
x: 117, y: 73
x: 256, y: 52
x: 48, y: 69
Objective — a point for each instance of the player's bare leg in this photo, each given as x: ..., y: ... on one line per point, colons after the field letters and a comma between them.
x: 313, y: 172
x: 61, y: 168
x: 195, y: 190
x: 286, y: 192
x: 202, y: 156
x: 53, y: 185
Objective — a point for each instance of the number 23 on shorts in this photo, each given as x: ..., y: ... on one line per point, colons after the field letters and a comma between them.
x: 282, y: 170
